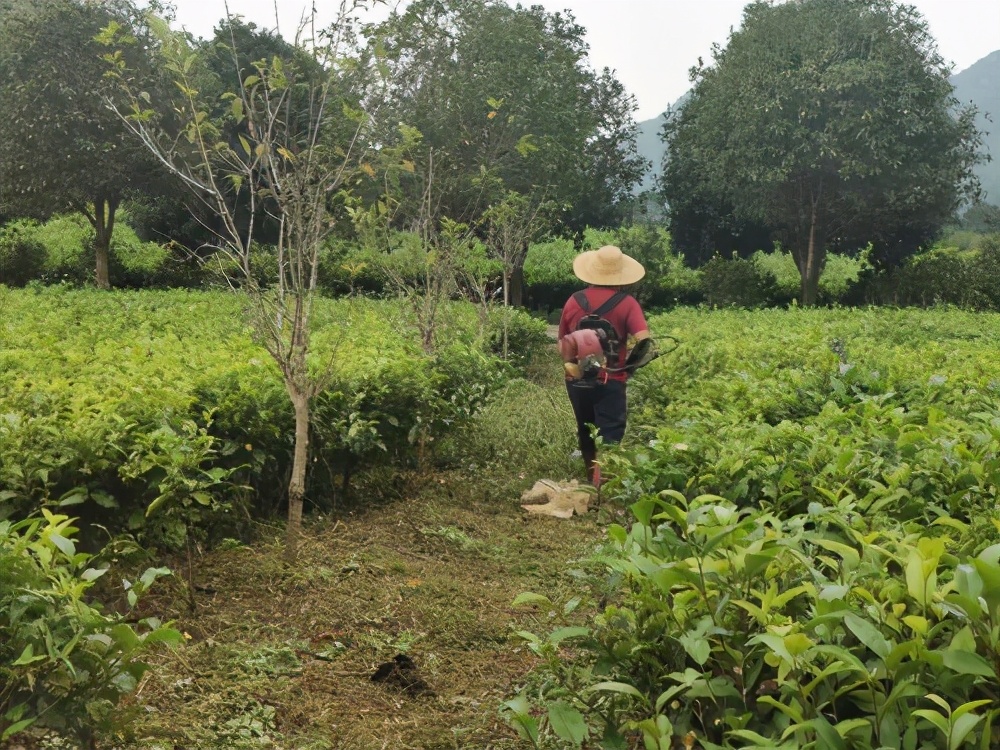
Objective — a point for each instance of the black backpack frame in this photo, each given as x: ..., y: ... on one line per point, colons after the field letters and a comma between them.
x: 610, y: 341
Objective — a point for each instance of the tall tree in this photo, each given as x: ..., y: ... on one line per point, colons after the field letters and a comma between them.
x: 831, y: 122
x: 507, y: 94
x: 61, y: 149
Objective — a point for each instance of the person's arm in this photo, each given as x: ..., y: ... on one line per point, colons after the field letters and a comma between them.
x: 635, y: 321
x: 563, y: 325
x: 642, y: 343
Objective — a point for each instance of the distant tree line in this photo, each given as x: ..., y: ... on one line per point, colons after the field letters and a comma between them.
x: 824, y: 126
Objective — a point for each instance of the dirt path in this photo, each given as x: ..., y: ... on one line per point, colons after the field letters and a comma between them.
x: 287, y: 654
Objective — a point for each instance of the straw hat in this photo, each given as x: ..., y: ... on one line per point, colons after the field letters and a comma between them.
x: 607, y: 266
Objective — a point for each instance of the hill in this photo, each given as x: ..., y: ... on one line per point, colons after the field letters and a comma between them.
x: 976, y: 84
x: 651, y: 147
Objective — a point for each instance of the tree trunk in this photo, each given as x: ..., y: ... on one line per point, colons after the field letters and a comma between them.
x: 517, y: 286
x: 812, y: 263
x: 812, y: 267
x: 103, y: 221
x: 297, y: 483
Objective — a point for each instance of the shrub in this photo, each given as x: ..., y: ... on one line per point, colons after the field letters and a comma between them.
x: 738, y: 282
x: 730, y: 628
x: 839, y: 273
x: 402, y: 264
x: 525, y: 336
x: 22, y: 255
x: 548, y: 273
x: 548, y: 269
x: 67, y: 254
x: 108, y: 398
x: 811, y: 552
x: 941, y: 276
x: 64, y: 662
x: 68, y: 242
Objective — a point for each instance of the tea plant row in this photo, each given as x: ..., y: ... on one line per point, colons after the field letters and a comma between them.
x: 110, y: 402
x: 813, y: 557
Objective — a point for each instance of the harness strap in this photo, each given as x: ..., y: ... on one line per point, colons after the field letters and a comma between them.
x: 611, y: 303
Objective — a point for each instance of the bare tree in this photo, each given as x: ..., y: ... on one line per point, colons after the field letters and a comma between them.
x: 510, y: 225
x: 288, y: 143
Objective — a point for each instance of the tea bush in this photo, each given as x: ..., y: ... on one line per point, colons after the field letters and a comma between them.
x: 668, y: 281
x: 548, y: 268
x: 813, y: 556
x: 840, y: 273
x: 64, y: 661
x: 348, y: 267
x: 737, y: 282
x: 62, y: 250
x: 739, y: 628
x: 87, y: 377
x: 944, y: 275
x: 22, y: 255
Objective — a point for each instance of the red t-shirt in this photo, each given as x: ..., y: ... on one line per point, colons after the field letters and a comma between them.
x: 626, y: 317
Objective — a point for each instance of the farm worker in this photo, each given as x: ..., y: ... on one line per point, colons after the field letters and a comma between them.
x: 595, y: 326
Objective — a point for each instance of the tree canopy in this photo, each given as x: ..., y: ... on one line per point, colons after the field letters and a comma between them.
x: 61, y: 149
x: 507, y: 93
x: 830, y: 122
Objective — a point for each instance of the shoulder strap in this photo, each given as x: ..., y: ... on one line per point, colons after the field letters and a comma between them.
x: 611, y: 304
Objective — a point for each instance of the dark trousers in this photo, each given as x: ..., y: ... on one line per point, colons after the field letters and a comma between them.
x: 605, y: 407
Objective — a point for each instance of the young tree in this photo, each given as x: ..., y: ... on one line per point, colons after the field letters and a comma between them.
x: 509, y: 225
x: 61, y: 149
x: 279, y: 151
x: 833, y: 123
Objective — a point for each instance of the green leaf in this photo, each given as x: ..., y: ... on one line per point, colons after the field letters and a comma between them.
x: 868, y: 634
x: 616, y: 687
x: 104, y: 499
x: 847, y: 553
x: 155, y: 505
x: 828, y: 736
x: 65, y: 545
x: 967, y: 707
x: 696, y: 646
x: 526, y: 726
x: 166, y: 635
x: 16, y: 727
x: 960, y: 729
x: 151, y: 574
x: 561, y: 634
x: 567, y: 723
x: 758, y: 740
x: 92, y: 574
x: 530, y: 598
x: 203, y: 498
x: 73, y: 497
x: 617, y: 533
x: 941, y: 722
x: 28, y: 656
x: 967, y: 662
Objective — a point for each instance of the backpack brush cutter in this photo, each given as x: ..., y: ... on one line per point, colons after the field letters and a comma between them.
x: 590, y: 364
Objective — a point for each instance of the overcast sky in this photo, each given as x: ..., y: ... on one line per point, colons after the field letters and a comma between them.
x: 651, y: 44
